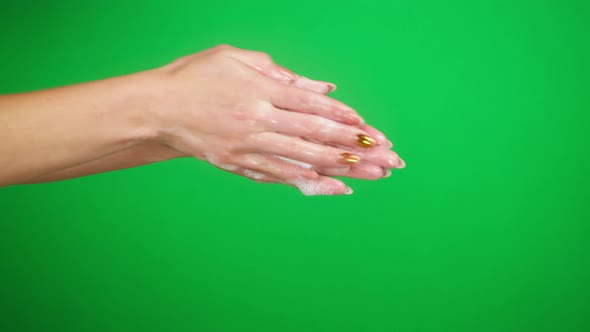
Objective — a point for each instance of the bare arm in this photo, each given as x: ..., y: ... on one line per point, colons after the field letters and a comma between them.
x: 46, y: 131
x: 137, y: 155
x: 213, y: 105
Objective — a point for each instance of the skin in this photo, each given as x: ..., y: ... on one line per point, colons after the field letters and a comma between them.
x: 233, y: 108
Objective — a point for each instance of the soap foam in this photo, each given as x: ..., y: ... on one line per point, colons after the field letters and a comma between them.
x: 253, y: 174
x: 296, y: 162
x: 213, y: 160
x: 312, y: 187
x: 228, y: 167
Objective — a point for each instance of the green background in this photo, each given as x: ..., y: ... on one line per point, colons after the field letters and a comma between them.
x: 485, y: 230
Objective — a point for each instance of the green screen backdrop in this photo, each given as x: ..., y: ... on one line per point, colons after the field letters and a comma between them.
x: 485, y: 230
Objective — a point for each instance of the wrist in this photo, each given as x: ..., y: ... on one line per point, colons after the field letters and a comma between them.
x: 139, y: 103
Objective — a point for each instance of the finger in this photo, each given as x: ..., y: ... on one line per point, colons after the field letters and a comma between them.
x: 362, y: 170
x: 313, y: 85
x: 248, y: 173
x: 299, y: 149
x: 263, y: 63
x: 296, y: 162
x: 382, y: 157
x: 321, y: 185
x: 379, y: 155
x: 303, y: 101
x: 275, y: 167
x: 257, y: 177
x: 318, y: 129
x: 255, y: 165
x: 377, y: 135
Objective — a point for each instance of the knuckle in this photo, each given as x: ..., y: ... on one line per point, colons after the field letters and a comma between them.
x: 224, y: 159
x: 370, y: 171
x: 294, y: 173
x: 260, y: 139
x: 223, y: 48
x: 254, y: 112
x: 263, y: 57
x: 182, y: 60
x: 252, y: 161
x: 260, y: 112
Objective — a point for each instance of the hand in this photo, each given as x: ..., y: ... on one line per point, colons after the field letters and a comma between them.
x: 213, y: 106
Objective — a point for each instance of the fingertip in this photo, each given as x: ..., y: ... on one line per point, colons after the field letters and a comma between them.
x: 386, y: 172
x: 381, y: 139
x: 331, y: 87
x: 402, y: 164
x: 323, y: 186
x: 316, y: 86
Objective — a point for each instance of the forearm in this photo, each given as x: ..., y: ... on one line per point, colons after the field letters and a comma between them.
x: 138, y: 155
x: 47, y: 131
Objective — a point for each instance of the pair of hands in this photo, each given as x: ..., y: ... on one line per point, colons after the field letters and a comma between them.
x: 233, y: 108
x: 241, y: 112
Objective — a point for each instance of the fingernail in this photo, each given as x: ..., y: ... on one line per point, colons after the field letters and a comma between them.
x: 365, y: 141
x: 394, y: 162
x: 386, y: 173
x: 389, y: 144
x: 331, y: 87
x: 397, y: 162
x: 348, y: 191
x: 402, y: 163
x: 349, y: 158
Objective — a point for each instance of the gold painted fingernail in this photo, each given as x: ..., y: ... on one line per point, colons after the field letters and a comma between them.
x: 365, y: 141
x: 349, y: 158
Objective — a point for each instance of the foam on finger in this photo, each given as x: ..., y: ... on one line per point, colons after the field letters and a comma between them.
x: 321, y: 187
